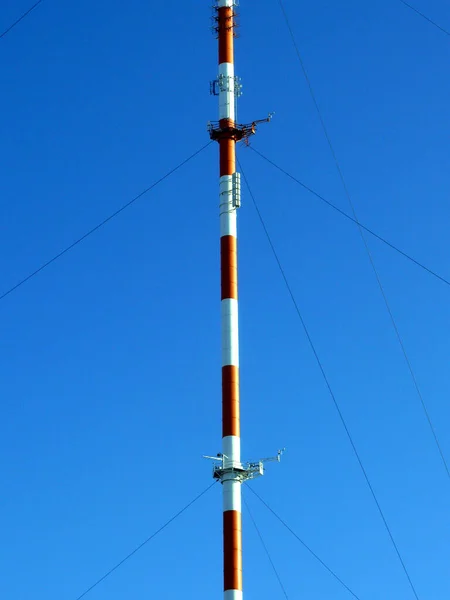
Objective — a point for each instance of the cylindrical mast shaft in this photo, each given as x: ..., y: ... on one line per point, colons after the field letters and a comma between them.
x: 229, y: 470
x: 232, y: 526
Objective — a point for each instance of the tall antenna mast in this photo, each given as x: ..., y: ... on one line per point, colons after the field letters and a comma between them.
x: 229, y: 469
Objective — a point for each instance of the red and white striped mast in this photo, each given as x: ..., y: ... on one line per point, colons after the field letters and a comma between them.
x: 229, y: 469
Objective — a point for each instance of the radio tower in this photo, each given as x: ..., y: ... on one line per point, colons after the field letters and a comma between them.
x: 229, y: 469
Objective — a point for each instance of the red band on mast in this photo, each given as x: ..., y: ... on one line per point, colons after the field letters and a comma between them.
x: 228, y: 260
x: 226, y: 36
x: 230, y: 401
x: 232, y: 550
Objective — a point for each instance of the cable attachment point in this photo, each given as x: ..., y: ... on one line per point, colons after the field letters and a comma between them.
x: 225, y: 469
x: 227, y: 129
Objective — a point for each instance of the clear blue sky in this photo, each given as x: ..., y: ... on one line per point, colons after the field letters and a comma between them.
x: 110, y: 359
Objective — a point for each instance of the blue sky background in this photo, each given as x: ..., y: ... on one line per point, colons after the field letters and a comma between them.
x: 110, y: 359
